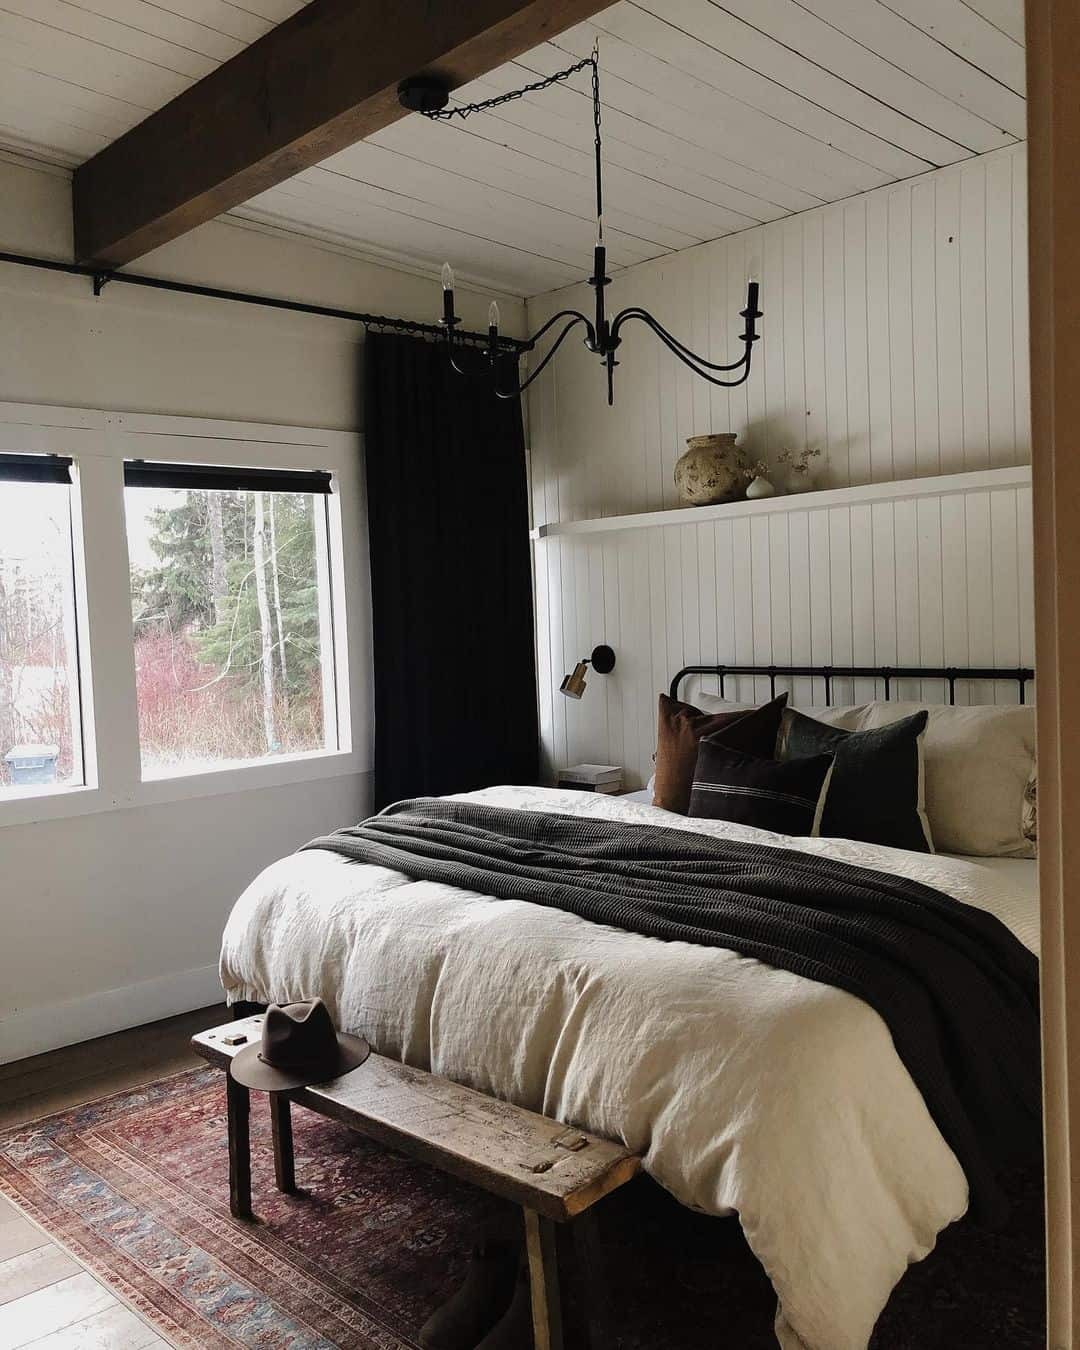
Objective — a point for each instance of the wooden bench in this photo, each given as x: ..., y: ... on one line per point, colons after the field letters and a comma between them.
x: 554, y: 1173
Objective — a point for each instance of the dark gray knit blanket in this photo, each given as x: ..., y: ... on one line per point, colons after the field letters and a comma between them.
x: 957, y: 990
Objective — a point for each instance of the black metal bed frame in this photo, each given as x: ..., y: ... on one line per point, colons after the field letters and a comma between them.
x: 1020, y: 674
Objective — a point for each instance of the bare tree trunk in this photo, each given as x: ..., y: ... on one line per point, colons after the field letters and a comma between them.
x: 219, y: 581
x: 277, y: 604
x: 266, y: 636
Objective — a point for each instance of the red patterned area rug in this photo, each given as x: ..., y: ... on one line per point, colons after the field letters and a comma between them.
x: 136, y: 1187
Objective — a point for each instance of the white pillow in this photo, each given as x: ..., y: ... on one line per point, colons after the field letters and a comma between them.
x: 980, y: 761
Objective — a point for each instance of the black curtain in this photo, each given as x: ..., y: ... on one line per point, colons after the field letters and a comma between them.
x: 451, y: 580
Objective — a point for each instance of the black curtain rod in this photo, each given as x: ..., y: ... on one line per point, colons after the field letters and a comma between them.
x: 101, y: 279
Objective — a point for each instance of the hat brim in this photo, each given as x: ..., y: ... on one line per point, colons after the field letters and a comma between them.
x: 250, y: 1071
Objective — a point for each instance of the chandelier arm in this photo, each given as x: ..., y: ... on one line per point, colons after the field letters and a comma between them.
x: 460, y: 370
x: 575, y: 314
x: 680, y: 348
x: 521, y: 387
x: 690, y: 360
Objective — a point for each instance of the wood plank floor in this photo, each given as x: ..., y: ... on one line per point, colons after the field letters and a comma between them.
x: 48, y: 1301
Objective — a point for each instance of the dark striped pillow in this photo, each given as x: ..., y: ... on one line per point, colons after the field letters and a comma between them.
x: 785, y: 796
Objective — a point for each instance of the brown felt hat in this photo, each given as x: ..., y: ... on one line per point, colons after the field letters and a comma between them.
x: 299, y: 1046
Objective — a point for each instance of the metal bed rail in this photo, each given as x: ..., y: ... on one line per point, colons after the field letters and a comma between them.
x: 1021, y: 675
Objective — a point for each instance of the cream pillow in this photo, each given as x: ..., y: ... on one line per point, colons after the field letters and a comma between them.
x: 979, y: 764
x: 710, y: 703
x: 847, y: 718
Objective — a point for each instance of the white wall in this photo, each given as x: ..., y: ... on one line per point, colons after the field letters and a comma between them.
x: 895, y: 338
x: 112, y: 918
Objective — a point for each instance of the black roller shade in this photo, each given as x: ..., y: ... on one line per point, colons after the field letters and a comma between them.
x: 35, y: 469
x: 219, y: 478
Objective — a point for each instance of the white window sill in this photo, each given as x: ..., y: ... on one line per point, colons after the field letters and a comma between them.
x: 63, y: 803
x: 40, y: 802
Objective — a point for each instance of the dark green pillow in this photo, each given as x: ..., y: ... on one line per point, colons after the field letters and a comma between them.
x: 876, y: 790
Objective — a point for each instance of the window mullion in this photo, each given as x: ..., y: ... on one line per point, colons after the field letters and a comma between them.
x: 111, y: 728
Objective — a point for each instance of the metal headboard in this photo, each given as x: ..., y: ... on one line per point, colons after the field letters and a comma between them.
x: 887, y: 674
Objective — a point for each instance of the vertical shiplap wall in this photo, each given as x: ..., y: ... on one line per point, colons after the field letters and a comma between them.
x: 895, y: 338
x: 929, y: 580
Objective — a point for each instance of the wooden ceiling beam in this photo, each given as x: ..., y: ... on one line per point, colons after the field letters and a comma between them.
x: 312, y: 86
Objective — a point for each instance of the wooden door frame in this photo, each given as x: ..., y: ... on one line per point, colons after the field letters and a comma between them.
x: 1053, y: 67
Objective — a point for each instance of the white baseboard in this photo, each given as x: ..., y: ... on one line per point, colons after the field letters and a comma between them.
x: 32, y: 1031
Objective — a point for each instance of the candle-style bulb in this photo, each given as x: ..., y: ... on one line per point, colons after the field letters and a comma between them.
x: 449, y: 318
x: 753, y: 267
x: 493, y: 314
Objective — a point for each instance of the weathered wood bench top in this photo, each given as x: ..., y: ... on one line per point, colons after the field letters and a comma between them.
x: 525, y: 1157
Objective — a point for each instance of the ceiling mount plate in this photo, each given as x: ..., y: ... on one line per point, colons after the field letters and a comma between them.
x: 423, y: 93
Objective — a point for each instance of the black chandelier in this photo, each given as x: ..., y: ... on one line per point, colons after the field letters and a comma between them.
x: 430, y: 96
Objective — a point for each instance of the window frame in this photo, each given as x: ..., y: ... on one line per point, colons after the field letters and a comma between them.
x: 99, y: 443
x: 73, y: 611
x: 199, y: 477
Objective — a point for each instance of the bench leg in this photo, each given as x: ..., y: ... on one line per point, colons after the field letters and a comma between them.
x: 238, y: 1100
x: 543, y: 1282
x: 281, y: 1125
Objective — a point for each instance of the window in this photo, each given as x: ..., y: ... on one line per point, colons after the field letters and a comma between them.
x: 231, y: 610
x: 40, y: 723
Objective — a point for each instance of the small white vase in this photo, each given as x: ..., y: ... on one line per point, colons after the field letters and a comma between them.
x: 759, y: 487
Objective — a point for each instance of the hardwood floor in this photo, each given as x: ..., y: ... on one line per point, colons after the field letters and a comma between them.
x: 36, y: 1087
x: 48, y: 1301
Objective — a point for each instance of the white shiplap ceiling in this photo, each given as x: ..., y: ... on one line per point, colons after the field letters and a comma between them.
x: 719, y: 114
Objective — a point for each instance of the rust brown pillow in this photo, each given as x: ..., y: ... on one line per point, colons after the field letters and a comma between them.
x: 680, y: 728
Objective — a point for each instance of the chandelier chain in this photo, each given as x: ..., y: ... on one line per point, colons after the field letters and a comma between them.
x: 592, y: 61
x: 467, y: 109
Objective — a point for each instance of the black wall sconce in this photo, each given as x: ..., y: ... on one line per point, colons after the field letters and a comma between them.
x: 602, y: 661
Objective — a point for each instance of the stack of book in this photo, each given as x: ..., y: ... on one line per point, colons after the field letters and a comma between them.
x: 592, y: 778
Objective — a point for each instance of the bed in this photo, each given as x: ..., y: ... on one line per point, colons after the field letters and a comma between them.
x: 747, y: 1089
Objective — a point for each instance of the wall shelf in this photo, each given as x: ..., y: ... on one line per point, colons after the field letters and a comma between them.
x: 941, y: 485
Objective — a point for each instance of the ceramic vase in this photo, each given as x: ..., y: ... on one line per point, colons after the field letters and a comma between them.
x: 712, y: 469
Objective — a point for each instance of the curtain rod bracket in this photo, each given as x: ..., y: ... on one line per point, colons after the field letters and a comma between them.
x: 101, y: 280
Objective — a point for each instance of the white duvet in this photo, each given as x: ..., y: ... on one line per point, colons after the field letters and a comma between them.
x: 746, y: 1089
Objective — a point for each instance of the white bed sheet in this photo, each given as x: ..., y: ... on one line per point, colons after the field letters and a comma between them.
x: 746, y: 1089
